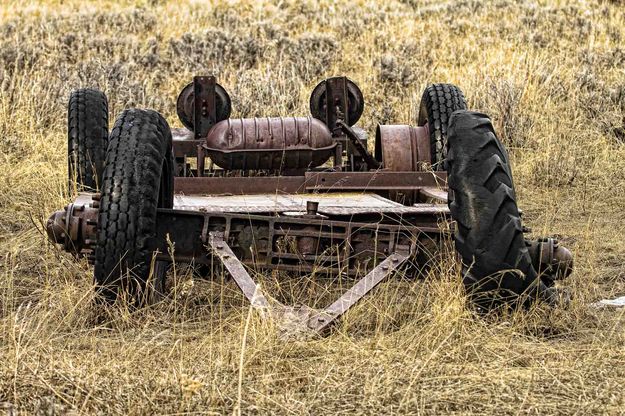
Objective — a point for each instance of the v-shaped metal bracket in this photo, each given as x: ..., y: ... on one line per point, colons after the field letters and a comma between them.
x: 304, y: 318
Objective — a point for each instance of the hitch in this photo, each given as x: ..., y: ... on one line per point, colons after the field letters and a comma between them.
x: 303, y: 319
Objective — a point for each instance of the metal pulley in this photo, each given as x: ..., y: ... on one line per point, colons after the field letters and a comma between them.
x: 213, y: 105
x: 337, y: 98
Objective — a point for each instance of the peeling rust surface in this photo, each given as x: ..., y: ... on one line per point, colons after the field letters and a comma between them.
x: 269, y: 143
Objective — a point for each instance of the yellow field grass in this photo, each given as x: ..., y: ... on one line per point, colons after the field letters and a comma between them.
x: 550, y: 73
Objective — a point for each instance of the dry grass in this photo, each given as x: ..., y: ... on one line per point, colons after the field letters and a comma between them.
x: 550, y: 73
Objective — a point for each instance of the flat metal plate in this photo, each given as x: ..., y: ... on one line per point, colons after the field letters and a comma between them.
x: 295, y: 204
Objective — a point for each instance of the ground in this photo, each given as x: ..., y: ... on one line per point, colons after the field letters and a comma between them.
x: 550, y: 73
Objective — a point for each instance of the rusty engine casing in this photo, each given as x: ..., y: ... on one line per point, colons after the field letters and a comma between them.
x: 275, y: 143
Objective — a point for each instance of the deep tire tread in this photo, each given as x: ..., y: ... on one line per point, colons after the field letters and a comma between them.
x: 438, y: 103
x: 137, y: 180
x: 489, y: 233
x: 87, y: 131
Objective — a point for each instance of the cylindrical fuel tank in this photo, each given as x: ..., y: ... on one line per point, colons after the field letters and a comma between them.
x: 275, y: 143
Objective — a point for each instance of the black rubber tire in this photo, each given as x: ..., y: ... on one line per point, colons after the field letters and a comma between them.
x: 438, y: 102
x: 488, y: 235
x: 138, y: 179
x: 87, y: 138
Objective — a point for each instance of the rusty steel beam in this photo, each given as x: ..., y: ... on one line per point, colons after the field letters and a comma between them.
x: 322, y: 320
x: 358, y: 145
x: 337, y: 103
x: 304, y: 317
x: 434, y: 193
x: 374, y: 181
x: 204, y: 109
x: 218, y: 185
x: 242, y: 278
x: 188, y: 148
x: 312, y: 181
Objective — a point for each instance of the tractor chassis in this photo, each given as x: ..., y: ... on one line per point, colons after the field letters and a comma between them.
x: 374, y: 236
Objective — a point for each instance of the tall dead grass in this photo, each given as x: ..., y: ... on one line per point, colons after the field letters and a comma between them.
x: 550, y: 74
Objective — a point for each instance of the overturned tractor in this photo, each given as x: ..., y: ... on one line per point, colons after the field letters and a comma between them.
x: 298, y: 194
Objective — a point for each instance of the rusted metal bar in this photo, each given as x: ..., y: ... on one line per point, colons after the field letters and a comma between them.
x: 204, y: 110
x: 337, y: 103
x: 326, y: 317
x: 218, y: 185
x: 307, y: 319
x: 242, y: 278
x: 373, y: 181
x: 434, y: 193
x: 201, y: 159
x: 360, y: 148
x: 187, y: 148
x: 311, y: 181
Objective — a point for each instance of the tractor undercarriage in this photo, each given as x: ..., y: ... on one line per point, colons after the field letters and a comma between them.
x: 302, y: 195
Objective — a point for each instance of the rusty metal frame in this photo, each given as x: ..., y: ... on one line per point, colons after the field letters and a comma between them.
x: 242, y: 278
x: 312, y: 182
x: 359, y: 146
x: 337, y: 104
x: 309, y: 319
x: 344, y: 239
x: 191, y: 230
x: 205, y: 112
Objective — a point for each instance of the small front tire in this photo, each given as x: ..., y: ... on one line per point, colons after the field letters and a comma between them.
x: 137, y: 180
x: 438, y: 103
x: 87, y: 138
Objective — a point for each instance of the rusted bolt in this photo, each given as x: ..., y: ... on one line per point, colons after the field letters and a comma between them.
x: 312, y: 207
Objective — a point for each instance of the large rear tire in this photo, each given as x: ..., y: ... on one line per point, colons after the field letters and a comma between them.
x: 489, y: 235
x: 87, y: 138
x: 438, y: 103
x: 138, y: 179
